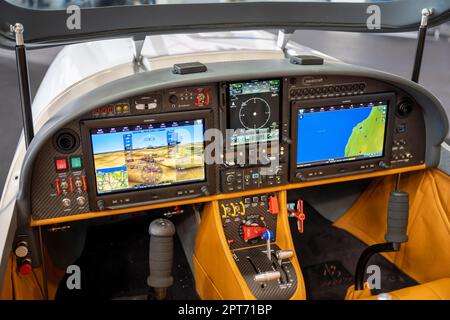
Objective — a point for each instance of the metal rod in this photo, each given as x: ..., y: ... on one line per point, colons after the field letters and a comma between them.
x: 24, y: 84
x: 365, y: 257
x: 44, y: 266
x: 283, y: 38
x: 397, y: 181
x: 421, y: 44
x: 426, y: 12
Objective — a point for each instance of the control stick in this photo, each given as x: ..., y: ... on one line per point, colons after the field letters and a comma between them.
x: 397, y: 223
x: 161, y: 256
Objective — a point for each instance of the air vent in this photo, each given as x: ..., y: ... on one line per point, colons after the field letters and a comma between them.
x: 66, y: 141
x: 404, y: 108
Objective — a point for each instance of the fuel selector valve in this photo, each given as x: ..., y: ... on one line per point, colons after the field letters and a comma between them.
x: 252, y: 232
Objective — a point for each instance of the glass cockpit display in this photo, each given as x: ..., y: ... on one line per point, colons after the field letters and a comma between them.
x: 147, y: 156
x: 341, y: 133
x: 254, y: 111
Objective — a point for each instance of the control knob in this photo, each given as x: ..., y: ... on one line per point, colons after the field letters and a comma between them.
x: 81, y: 201
x: 173, y: 99
x: 21, y: 250
x: 230, y: 178
x: 66, y: 202
x: 101, y: 205
x: 384, y: 165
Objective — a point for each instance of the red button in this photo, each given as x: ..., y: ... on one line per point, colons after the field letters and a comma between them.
x: 25, y: 269
x: 61, y: 164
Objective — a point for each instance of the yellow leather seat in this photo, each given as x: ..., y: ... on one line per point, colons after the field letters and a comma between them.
x: 434, y: 290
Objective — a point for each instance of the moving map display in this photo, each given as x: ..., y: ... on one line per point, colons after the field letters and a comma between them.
x: 148, y: 156
x: 341, y: 133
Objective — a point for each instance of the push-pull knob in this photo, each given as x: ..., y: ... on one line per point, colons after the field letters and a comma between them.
x: 267, y: 276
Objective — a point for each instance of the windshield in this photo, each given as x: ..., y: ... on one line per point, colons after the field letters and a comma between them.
x: 61, y: 4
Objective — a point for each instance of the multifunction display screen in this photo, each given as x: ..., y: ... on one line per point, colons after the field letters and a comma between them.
x: 148, y: 155
x: 341, y: 133
x: 254, y: 111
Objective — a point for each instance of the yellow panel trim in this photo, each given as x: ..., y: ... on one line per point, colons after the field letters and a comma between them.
x: 94, y: 215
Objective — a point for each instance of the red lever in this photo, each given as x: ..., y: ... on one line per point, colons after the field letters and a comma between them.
x: 252, y: 232
x: 300, y: 215
x: 273, y: 205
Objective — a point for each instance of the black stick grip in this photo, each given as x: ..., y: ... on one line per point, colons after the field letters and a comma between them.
x: 397, y: 220
x: 161, y: 253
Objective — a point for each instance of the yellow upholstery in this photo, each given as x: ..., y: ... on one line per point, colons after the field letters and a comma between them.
x: 434, y: 290
x: 425, y: 257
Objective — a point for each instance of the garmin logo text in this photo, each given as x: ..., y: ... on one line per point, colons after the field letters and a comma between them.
x: 73, y: 22
x: 312, y: 80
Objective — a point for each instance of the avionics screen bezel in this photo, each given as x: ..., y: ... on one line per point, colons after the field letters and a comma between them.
x: 346, y: 166
x: 144, y: 194
x: 228, y: 144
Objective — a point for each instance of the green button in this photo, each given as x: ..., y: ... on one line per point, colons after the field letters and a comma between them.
x: 76, y: 163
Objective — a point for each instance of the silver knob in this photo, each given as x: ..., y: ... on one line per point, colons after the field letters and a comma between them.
x: 21, y: 250
x: 284, y: 254
x: 81, y: 201
x: 267, y: 276
x: 66, y: 202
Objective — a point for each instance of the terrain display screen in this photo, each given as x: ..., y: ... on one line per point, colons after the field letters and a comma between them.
x: 147, y: 156
x: 341, y: 133
x: 254, y: 111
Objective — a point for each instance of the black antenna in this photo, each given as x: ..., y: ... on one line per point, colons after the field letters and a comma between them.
x: 426, y: 13
x: 24, y: 84
x: 421, y: 43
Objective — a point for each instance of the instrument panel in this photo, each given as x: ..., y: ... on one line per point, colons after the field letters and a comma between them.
x: 225, y: 137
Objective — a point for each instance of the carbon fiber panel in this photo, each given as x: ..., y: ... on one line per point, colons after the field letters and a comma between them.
x: 281, y: 289
x: 46, y: 203
x: 251, y: 210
